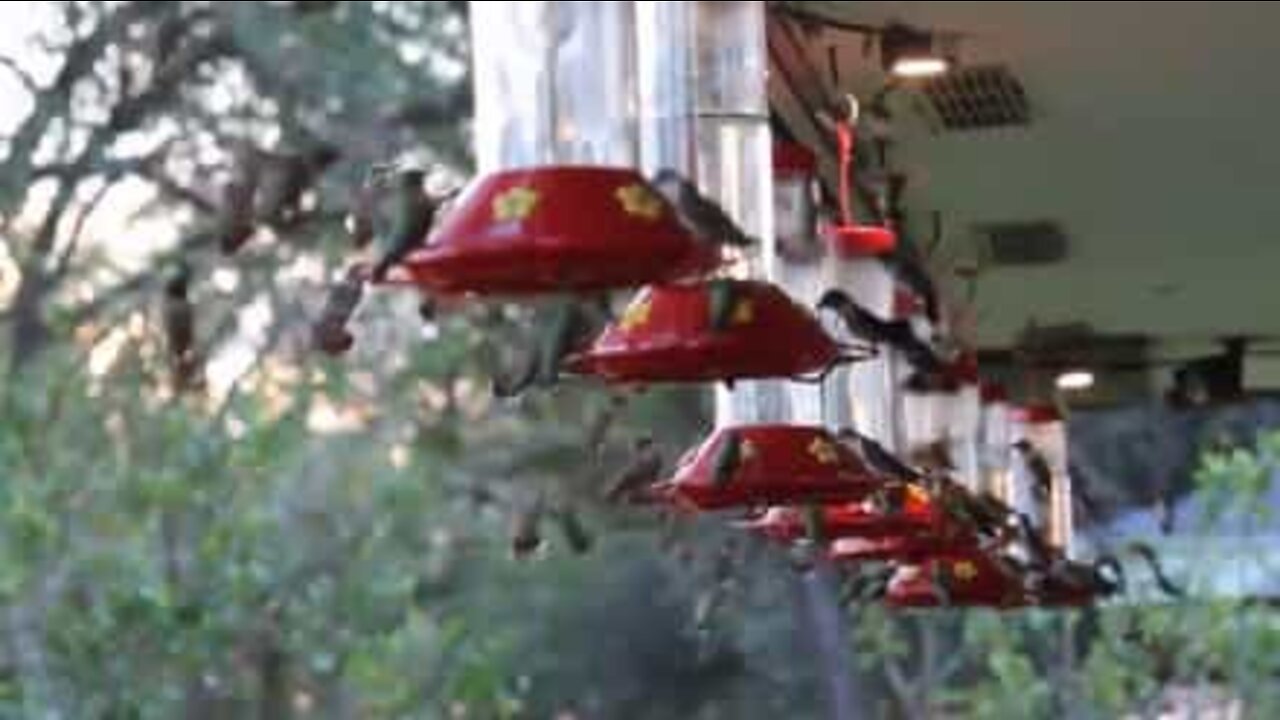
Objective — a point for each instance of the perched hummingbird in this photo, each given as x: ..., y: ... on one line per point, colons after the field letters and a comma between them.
x: 415, y: 212
x: 643, y: 470
x: 329, y: 333
x: 179, y: 328
x: 941, y: 584
x: 234, y: 222
x: 703, y: 218
x: 722, y: 299
x: 877, y: 457
x: 727, y: 459
x: 935, y: 456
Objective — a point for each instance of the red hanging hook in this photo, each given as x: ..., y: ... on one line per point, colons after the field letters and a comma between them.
x: 851, y: 239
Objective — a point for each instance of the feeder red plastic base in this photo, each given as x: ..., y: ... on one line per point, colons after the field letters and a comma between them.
x: 665, y: 336
x: 778, y: 465
x: 894, y: 548
x: 859, y: 241
x: 858, y: 520
x: 557, y: 229
x: 970, y: 578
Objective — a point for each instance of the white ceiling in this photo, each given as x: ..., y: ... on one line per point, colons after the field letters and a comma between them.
x: 1153, y: 144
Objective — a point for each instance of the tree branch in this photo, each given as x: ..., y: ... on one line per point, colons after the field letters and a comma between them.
x: 77, y: 230
x: 24, y: 77
x: 170, y: 187
x: 55, y: 101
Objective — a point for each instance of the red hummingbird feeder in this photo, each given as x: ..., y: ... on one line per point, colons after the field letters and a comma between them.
x: 918, y: 527
x: 915, y: 548
x: 917, y: 515
x: 967, y: 577
x: 667, y: 335
x: 762, y: 465
x: 557, y: 229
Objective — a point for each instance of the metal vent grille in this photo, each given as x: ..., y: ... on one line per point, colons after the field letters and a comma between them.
x: 1037, y: 242
x: 978, y: 97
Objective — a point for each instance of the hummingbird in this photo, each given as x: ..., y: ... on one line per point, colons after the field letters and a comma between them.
x: 1149, y: 556
x: 179, y: 328
x: 1038, y: 550
x: 569, y: 323
x: 643, y: 470
x: 329, y: 333
x: 866, y: 585
x: 234, y: 221
x: 877, y: 457
x: 602, y: 423
x: 1036, y: 464
x: 575, y: 533
x: 934, y: 456
x: 722, y: 300
x: 286, y: 177
x: 703, y: 218
x: 415, y: 213
x: 525, y: 533
x: 727, y: 460
x: 897, y: 334
x: 361, y: 218
x: 565, y: 326
x: 509, y: 383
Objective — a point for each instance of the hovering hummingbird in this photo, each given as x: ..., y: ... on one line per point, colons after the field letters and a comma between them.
x: 897, y: 334
x: 508, y: 383
x: 703, y: 218
x: 329, y: 333
x: 602, y: 423
x: 286, y: 177
x: 526, y: 535
x: 1149, y: 557
x: 868, y: 584
x: 643, y: 470
x: 1037, y: 549
x: 415, y: 213
x: 569, y: 323
x: 234, y: 221
x: 361, y: 218
x: 179, y: 328
x: 572, y: 529
x: 1037, y: 465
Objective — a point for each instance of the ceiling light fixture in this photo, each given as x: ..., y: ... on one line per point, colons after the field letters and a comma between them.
x: 1075, y: 380
x: 907, y: 52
